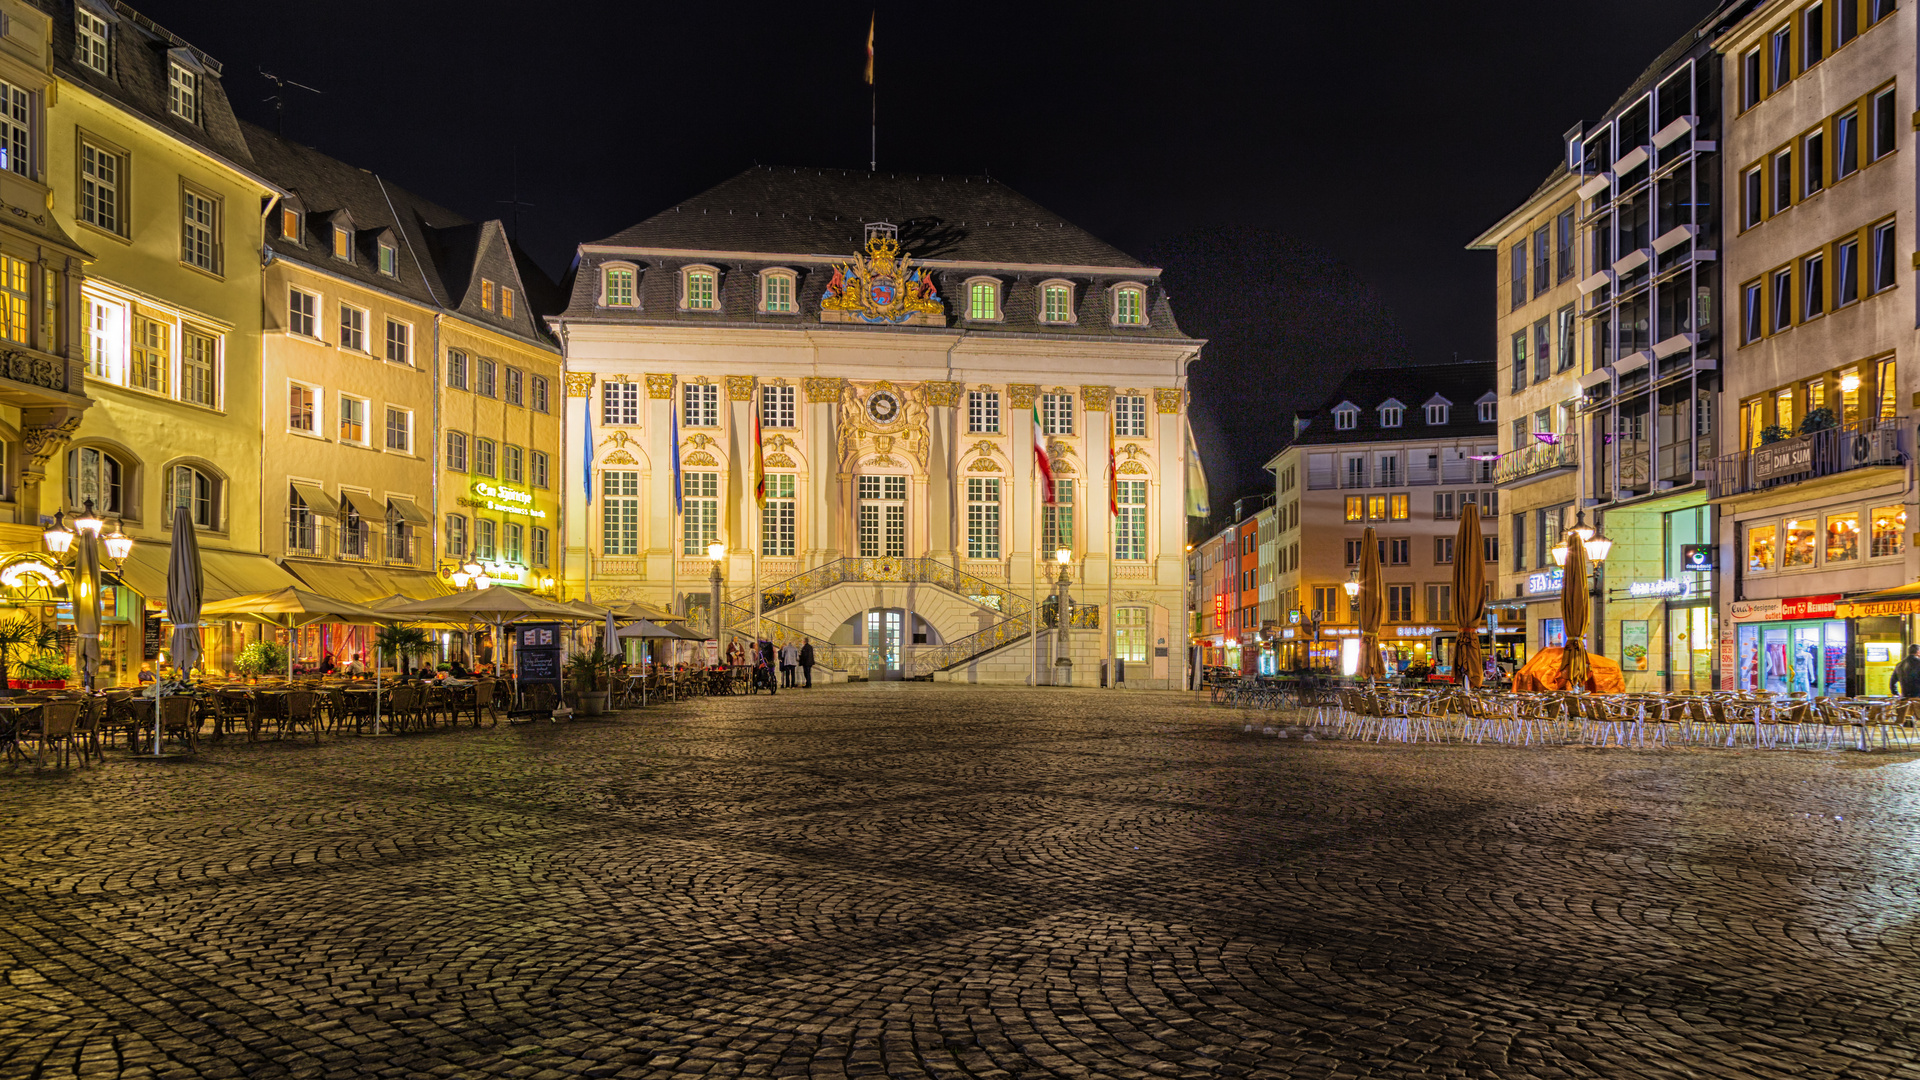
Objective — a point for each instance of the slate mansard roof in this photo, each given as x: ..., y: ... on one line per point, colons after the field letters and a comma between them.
x: 1461, y: 385
x: 960, y: 227
x: 441, y: 256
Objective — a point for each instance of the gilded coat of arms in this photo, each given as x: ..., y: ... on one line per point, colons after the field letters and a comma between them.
x: 882, y: 286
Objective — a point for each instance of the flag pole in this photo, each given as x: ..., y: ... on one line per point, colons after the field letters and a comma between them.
x: 873, y: 103
x: 1113, y: 532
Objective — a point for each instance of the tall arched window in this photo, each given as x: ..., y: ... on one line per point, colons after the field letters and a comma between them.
x: 199, y: 493
x: 93, y: 473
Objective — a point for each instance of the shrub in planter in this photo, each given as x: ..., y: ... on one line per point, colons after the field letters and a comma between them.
x: 1821, y: 419
x: 1772, y: 433
x: 260, y: 658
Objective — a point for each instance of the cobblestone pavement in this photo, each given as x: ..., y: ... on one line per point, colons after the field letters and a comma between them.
x: 933, y: 881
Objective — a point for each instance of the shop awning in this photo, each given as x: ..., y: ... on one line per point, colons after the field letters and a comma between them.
x: 1904, y: 600
x: 413, y: 584
x: 316, y: 498
x: 353, y: 583
x: 365, y: 505
x: 406, y: 510
x: 224, y: 574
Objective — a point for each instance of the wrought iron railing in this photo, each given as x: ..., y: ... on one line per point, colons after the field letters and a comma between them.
x: 954, y: 653
x: 1859, y: 445
x: 1535, y: 459
x: 922, y: 571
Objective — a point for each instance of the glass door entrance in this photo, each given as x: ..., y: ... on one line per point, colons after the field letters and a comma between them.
x: 1803, y: 657
x: 885, y: 628
x: 1690, y: 639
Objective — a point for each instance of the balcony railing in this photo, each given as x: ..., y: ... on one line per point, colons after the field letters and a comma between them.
x: 1860, y: 445
x: 1536, y: 459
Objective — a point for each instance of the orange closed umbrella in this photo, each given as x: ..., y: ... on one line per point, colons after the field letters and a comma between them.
x: 1469, y: 598
x: 1573, y: 608
x: 1371, y: 666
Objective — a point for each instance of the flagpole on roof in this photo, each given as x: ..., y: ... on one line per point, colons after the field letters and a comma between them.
x: 873, y: 102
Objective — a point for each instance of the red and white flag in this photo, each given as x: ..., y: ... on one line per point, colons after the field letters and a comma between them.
x: 1040, y: 457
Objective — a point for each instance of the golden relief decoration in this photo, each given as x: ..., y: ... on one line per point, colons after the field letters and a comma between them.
x: 1021, y: 395
x: 700, y: 457
x: 1057, y: 449
x: 618, y: 437
x: 1132, y: 450
x: 820, y: 390
x: 883, y: 459
x: 777, y: 442
x: 739, y: 388
x: 984, y: 465
x: 882, y: 286
x: 945, y: 394
x: 619, y: 457
x: 883, y: 414
x: 779, y: 461
x: 659, y: 386
x: 1096, y: 397
x: 985, y: 447
x: 1167, y: 400
x: 1063, y: 468
x: 698, y: 439
x: 579, y: 383
x: 1132, y: 468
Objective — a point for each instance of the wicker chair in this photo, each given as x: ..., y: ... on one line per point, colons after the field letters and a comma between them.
x: 300, y: 709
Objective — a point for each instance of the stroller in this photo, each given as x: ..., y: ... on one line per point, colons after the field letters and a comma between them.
x: 763, y: 677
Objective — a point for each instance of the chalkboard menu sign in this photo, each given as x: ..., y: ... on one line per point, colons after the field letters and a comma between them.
x: 537, y: 648
x: 151, y: 648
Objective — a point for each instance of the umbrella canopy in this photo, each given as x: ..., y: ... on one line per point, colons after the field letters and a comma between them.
x: 184, y: 588
x: 1573, y: 609
x: 1469, y: 598
x: 634, y: 609
x: 86, y: 609
x: 643, y: 629
x: 1371, y: 665
x: 685, y: 634
x: 1542, y: 671
x: 501, y: 605
x: 298, y: 607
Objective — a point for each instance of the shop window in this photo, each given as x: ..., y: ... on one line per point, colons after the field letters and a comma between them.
x: 1843, y: 537
x: 1889, y: 531
x: 1799, y: 544
x: 1760, y: 548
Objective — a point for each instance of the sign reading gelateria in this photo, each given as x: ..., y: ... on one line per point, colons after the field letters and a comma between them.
x: 507, y: 500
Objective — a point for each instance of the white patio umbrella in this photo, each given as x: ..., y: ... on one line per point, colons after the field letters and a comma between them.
x: 184, y: 589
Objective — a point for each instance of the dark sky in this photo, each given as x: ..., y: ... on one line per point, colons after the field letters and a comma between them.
x: 1308, y: 174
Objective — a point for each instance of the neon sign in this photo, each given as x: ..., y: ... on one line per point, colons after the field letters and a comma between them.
x: 1663, y: 587
x: 507, y: 500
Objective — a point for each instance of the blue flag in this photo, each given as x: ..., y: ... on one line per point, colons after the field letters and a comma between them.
x: 586, y: 449
x: 673, y: 441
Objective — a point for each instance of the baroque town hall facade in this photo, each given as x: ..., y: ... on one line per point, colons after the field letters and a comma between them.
x: 897, y: 336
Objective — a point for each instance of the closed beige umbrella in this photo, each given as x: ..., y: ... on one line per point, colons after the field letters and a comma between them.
x: 1469, y: 598
x: 86, y: 609
x: 1371, y: 665
x: 1573, y: 609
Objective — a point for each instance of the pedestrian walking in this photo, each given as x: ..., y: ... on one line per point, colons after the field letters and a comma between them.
x: 1906, y: 674
x: 789, y: 660
x: 806, y: 662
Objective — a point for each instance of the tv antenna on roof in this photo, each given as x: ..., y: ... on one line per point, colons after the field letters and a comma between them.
x: 279, y: 100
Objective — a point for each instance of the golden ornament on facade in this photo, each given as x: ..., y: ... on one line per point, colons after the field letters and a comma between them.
x: 1021, y: 395
x: 618, y: 437
x: 821, y: 390
x: 1063, y: 468
x: 882, y: 286
x: 1057, y: 449
x: 1132, y: 468
x: 779, y: 461
x: 945, y: 394
x: 1167, y: 400
x: 579, y: 383
x: 1132, y: 450
x: 700, y: 457
x: 777, y: 442
x: 985, y: 446
x: 618, y: 457
x: 659, y: 386
x: 885, y: 410
x: 698, y: 439
x: 985, y: 464
x: 1096, y: 397
x: 739, y: 388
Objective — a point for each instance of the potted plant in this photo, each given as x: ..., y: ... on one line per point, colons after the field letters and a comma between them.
x: 403, y: 643
x: 46, y: 671
x: 260, y: 658
x: 588, y: 670
x: 21, y: 633
x: 1772, y: 433
x: 1821, y: 419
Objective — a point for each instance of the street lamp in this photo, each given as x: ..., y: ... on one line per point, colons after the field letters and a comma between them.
x: 81, y: 567
x: 1597, y: 546
x: 716, y: 551
x: 1063, y: 654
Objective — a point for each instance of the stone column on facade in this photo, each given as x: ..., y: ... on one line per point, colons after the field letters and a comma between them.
x: 662, y: 539
x: 1166, y: 497
x: 1093, y: 519
x: 578, y: 559
x: 942, y: 461
x: 743, y: 527
x: 1022, y: 493
x: 824, y: 467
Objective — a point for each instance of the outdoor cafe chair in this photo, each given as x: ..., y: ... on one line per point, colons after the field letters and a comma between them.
x: 300, y: 709
x: 93, y: 717
x: 58, y: 730
x: 462, y: 701
x: 176, y: 722
x: 487, y: 693
x: 235, y: 706
x: 404, y: 708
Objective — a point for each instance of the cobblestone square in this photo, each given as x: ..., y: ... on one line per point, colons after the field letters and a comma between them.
x: 936, y: 881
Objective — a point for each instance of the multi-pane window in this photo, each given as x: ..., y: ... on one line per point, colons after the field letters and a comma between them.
x: 1356, y: 508
x: 484, y: 529
x: 700, y: 514
x: 983, y: 517
x: 1346, y: 419
x: 1884, y: 257
x: 1443, y: 551
x: 300, y: 525
x: 389, y: 261
x: 1130, y: 526
x: 1129, y: 307
x: 194, y: 490
x: 516, y: 548
x: 776, y: 406
x: 881, y: 524
x: 700, y: 405
x: 1056, y: 520
x: 1542, y: 351
x: 776, y: 292
x: 399, y: 429
x: 1440, y: 602
x: 539, y: 546
x: 94, y: 475
x: 16, y: 128
x: 506, y: 302
x: 1563, y: 246
x: 199, y: 367
x: 457, y: 451
x: 700, y: 290
x: 1541, y: 254
x: 486, y: 295
x: 353, y: 328
x: 488, y: 380
x: 353, y: 538
x: 399, y: 539
x: 983, y: 412
x: 183, y: 93
x: 1436, y: 415
x: 1130, y: 634
x: 516, y: 386
x: 513, y: 464
x: 1130, y: 416
x: 90, y: 40
x: 302, y: 414
x: 777, y: 518
x: 1889, y: 531
x: 538, y: 385
x: 199, y: 230
x: 1400, y: 603
x: 1056, y: 414
x: 1520, y: 360
x: 983, y: 300
x: 617, y: 287
x: 16, y: 299
x: 100, y: 178
x: 342, y: 243
x: 1885, y: 123
x: 1396, y: 551
x: 456, y: 369
x: 302, y: 313
x: 537, y: 468
x: 1056, y: 303
x: 619, y: 404
x: 151, y: 359
x: 1517, y: 272
x: 353, y: 420
x: 399, y: 342
x: 483, y: 454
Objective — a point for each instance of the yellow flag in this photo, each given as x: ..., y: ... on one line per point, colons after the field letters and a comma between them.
x: 870, y: 21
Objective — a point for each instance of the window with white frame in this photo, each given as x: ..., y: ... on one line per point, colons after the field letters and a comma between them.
x: 538, y: 384
x: 483, y: 457
x: 516, y: 548
x: 700, y: 405
x: 983, y: 517
x: 457, y: 451
x: 881, y: 519
x: 97, y: 475
x: 1346, y: 418
x: 983, y: 412
x: 199, y: 230
x: 399, y: 342
x: 1056, y: 520
x: 100, y: 188
x: 484, y: 530
x: 16, y: 129
x: 619, y: 404
x: 776, y: 406
x: 776, y: 291
x: 106, y: 332
x: 152, y: 360
x: 90, y: 40
x: 983, y: 300
x: 342, y: 243
x: 1130, y: 524
x: 777, y: 518
x: 1056, y: 302
x: 516, y: 386
x: 700, y: 513
x: 400, y: 429
x: 353, y: 420
x: 537, y: 468
x: 199, y: 367
x: 1437, y: 414
x: 456, y: 369
x: 1130, y: 634
x: 1488, y: 410
x: 513, y: 464
x: 353, y: 328
x: 302, y: 313
x: 389, y: 259
x: 487, y: 383
x: 1130, y: 416
x: 197, y: 492
x: 1056, y: 414
x: 183, y: 92
x: 700, y: 289
x: 616, y: 286
x: 1129, y: 307
x: 456, y: 534
x: 303, y: 409
x: 539, y: 546
x: 301, y: 534
x: 1391, y: 414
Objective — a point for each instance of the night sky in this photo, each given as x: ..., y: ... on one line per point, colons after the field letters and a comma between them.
x: 1308, y: 174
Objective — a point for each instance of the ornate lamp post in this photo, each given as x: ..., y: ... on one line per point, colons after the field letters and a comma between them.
x: 81, y: 567
x: 1063, y: 653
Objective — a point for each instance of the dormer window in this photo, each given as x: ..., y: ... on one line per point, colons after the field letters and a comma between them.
x: 1437, y: 415
x: 700, y: 289
x: 90, y: 40
x: 342, y: 243
x: 1392, y: 413
x: 486, y: 295
x: 983, y: 300
x: 506, y: 302
x: 289, y: 223
x: 183, y: 92
x: 776, y: 291
x: 1487, y: 408
x: 1056, y: 302
x: 389, y: 259
x: 616, y: 286
x: 1346, y: 416
x: 1129, y: 306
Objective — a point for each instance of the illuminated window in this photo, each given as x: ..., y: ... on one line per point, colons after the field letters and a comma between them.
x: 199, y: 367
x: 1400, y: 504
x: 777, y: 406
x: 353, y: 420
x: 342, y: 244
x: 90, y: 40
x: 196, y: 491
x: 1056, y: 303
x: 183, y: 93
x: 1889, y: 530
x: 152, y: 359
x: 302, y: 409
x: 1843, y: 537
x: 983, y: 412
x: 1129, y: 306
x: 1356, y: 510
x: 1056, y: 414
x: 777, y: 518
x: 700, y: 518
x: 1130, y: 527
x: 617, y: 287
x: 1799, y: 544
x: 776, y: 291
x: 1377, y: 507
x: 389, y: 260
x: 700, y: 290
